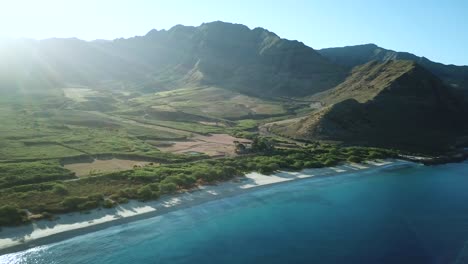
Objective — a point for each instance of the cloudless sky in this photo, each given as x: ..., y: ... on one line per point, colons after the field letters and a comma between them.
x: 436, y: 29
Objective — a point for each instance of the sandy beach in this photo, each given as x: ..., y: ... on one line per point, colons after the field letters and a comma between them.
x: 69, y: 225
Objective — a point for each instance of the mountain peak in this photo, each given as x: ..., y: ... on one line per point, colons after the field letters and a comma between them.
x: 368, y: 45
x: 221, y: 54
x: 221, y: 24
x: 152, y: 32
x: 351, y: 56
x: 384, y: 104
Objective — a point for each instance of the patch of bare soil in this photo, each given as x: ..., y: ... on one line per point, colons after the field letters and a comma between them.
x: 84, y: 169
x: 212, y: 145
x: 218, y: 124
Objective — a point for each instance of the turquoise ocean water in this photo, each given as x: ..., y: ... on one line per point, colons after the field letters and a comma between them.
x: 411, y: 215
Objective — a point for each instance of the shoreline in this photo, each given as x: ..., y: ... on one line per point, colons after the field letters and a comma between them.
x: 14, y: 239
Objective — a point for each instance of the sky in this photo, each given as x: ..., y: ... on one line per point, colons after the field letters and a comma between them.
x: 435, y: 29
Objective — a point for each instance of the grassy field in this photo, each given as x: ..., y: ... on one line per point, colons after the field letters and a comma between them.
x: 210, y: 104
x: 77, y: 121
x: 46, y: 139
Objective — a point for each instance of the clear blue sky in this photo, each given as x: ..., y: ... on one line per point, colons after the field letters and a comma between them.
x: 436, y: 29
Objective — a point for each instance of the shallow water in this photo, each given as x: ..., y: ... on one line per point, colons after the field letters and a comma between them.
x: 410, y: 215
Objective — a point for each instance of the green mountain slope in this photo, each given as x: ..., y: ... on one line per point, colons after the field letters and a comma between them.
x: 218, y: 54
x: 393, y: 104
x: 351, y: 56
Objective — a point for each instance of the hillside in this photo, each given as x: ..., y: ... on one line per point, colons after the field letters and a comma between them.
x: 392, y: 104
x: 351, y: 56
x: 218, y: 54
x: 143, y: 96
x: 217, y: 78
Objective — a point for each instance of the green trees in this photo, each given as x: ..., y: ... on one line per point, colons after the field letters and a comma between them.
x: 145, y: 193
x: 72, y: 202
x: 184, y: 181
x: 298, y: 164
x: 167, y: 187
x: 313, y: 164
x: 130, y: 193
x: 261, y: 144
x: 11, y: 215
x: 267, y: 168
x: 60, y: 189
x: 88, y: 205
x: 148, y: 183
x: 330, y: 162
x: 14, y: 174
x: 240, y: 148
x: 108, y: 203
x: 216, y: 172
x: 375, y: 155
x: 354, y: 159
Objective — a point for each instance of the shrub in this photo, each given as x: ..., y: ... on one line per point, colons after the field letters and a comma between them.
x: 330, y: 162
x: 11, y: 215
x: 60, y: 189
x: 185, y: 181
x: 129, y: 193
x: 145, y: 193
x: 313, y: 164
x: 118, y: 199
x: 354, y: 159
x: 265, y: 170
x: 273, y: 166
x: 167, y: 187
x: 88, y: 205
x: 154, y: 187
x: 96, y: 197
x: 122, y: 200
x: 47, y: 215
x: 375, y: 155
x: 72, y: 202
x: 297, y: 165
x: 108, y: 203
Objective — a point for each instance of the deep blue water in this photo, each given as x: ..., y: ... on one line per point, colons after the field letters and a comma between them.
x: 412, y: 215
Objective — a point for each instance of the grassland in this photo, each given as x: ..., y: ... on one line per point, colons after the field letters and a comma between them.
x: 41, y: 137
x: 72, y: 122
x: 210, y: 103
x: 15, y: 174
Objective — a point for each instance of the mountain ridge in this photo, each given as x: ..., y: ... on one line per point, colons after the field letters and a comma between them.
x: 364, y: 104
x: 392, y: 104
x: 227, y: 55
x: 351, y: 56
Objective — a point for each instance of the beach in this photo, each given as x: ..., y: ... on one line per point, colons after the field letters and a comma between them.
x: 69, y: 225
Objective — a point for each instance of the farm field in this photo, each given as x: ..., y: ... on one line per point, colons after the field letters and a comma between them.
x: 213, y: 145
x: 99, y: 166
x: 65, y: 125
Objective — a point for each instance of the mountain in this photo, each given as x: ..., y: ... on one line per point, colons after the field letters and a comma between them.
x: 351, y: 56
x: 393, y: 104
x: 225, y: 55
x: 227, y: 72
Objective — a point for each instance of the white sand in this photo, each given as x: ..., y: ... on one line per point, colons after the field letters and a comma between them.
x: 68, y: 225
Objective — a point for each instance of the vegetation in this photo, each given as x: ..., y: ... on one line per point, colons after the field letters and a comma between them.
x: 60, y: 189
x: 386, y: 105
x: 11, y: 215
x: 15, y: 174
x: 135, y: 113
x: 150, y: 182
x: 352, y: 56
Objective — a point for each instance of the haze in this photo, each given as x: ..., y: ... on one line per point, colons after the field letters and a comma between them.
x: 426, y: 28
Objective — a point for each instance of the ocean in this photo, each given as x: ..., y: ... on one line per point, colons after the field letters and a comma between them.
x: 408, y: 215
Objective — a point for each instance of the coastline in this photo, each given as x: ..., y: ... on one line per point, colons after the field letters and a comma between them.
x: 13, y: 239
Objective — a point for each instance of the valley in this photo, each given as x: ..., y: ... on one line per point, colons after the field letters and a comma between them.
x: 170, y: 111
